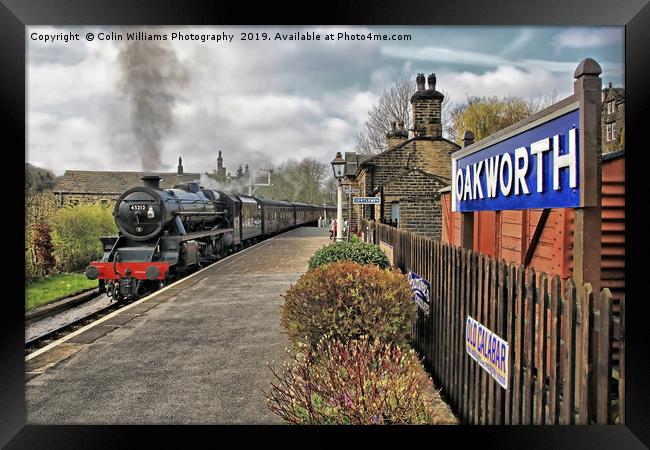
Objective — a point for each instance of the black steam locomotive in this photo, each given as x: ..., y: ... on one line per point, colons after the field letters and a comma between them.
x: 165, y: 234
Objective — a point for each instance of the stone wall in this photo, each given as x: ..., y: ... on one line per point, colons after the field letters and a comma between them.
x: 76, y: 198
x: 429, y: 155
x: 422, y: 215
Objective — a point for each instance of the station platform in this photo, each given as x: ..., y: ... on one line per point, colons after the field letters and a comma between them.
x: 195, y: 352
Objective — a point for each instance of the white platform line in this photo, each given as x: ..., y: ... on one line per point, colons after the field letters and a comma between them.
x: 65, y: 338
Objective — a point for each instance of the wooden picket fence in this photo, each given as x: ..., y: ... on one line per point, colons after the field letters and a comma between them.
x: 560, y: 336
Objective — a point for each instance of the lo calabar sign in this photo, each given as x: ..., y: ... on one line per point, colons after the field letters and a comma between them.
x: 487, y: 349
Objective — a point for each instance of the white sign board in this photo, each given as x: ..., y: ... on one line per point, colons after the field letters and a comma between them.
x: 350, y: 190
x: 366, y: 200
x: 487, y: 349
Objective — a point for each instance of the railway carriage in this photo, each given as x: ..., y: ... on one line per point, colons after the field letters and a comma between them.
x: 278, y: 215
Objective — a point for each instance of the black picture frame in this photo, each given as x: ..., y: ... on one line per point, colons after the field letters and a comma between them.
x: 16, y: 14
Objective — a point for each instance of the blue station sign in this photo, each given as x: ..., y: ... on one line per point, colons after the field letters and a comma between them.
x: 366, y: 200
x: 534, y: 167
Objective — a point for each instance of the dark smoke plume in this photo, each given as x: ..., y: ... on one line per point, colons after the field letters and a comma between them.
x: 151, y: 78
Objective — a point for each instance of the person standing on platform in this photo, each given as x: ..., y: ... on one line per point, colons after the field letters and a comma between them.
x: 333, y: 229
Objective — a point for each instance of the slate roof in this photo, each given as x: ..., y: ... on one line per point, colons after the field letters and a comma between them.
x: 408, y: 171
x: 370, y: 158
x: 617, y: 94
x: 97, y: 182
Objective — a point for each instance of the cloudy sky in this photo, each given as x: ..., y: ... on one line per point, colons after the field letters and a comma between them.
x: 263, y: 102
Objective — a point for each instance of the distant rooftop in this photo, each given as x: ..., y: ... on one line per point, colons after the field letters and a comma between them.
x: 99, y: 182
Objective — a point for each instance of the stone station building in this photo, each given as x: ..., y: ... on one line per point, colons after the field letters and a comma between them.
x: 409, y: 174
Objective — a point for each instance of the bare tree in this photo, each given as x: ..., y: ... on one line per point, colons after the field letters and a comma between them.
x: 393, y: 105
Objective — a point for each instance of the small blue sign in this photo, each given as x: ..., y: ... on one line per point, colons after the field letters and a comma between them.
x: 537, y: 168
x: 366, y: 200
x: 421, y: 288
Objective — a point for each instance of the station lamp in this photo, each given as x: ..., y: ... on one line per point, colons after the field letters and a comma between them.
x: 338, y: 167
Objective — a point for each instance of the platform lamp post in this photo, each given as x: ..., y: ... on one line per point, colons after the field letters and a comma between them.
x: 338, y: 166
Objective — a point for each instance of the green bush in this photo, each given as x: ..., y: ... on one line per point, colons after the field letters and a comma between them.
x: 75, y: 233
x: 346, y: 300
x: 359, y: 382
x: 349, y: 251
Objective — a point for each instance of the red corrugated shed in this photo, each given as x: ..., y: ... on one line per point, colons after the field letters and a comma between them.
x: 507, y: 234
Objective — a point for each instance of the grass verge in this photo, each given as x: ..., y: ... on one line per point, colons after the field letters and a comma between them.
x: 46, y: 290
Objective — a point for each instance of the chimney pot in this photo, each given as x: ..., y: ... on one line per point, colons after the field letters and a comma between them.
x: 610, y: 84
x: 432, y: 81
x: 468, y: 138
x: 419, y: 80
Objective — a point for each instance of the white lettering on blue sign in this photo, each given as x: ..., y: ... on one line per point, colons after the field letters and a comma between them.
x: 366, y: 200
x: 537, y: 168
x: 420, y: 287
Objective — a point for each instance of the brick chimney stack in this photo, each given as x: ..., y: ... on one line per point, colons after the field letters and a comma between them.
x: 427, y: 108
x: 396, y: 136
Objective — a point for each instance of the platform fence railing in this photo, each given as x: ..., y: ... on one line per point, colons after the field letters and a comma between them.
x: 566, y: 362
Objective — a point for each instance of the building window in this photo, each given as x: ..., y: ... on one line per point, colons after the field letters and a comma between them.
x: 611, y: 132
x: 610, y: 107
x: 394, y: 214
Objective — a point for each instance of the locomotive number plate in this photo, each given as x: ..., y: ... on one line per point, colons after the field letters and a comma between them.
x: 138, y: 207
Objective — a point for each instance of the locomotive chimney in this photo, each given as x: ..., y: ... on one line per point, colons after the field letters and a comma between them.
x: 180, y: 166
x: 151, y: 181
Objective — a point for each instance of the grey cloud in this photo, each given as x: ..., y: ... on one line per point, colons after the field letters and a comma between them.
x: 316, y: 99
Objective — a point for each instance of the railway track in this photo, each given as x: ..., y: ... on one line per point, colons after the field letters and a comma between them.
x: 46, y: 338
x: 43, y: 339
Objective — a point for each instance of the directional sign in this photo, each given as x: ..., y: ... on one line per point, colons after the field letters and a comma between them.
x: 349, y: 190
x: 366, y: 200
